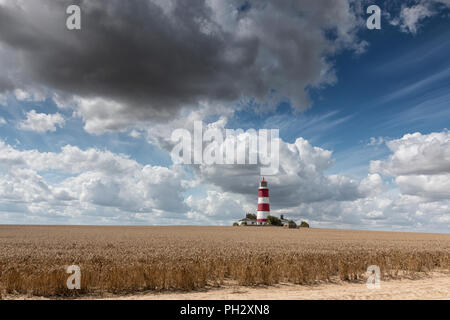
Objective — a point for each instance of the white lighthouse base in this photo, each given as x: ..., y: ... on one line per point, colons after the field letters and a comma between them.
x: 261, y: 217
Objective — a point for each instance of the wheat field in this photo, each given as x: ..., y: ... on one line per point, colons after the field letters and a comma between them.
x: 123, y: 260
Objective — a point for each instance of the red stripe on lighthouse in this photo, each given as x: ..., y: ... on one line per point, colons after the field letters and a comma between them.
x: 263, y: 193
x: 263, y: 207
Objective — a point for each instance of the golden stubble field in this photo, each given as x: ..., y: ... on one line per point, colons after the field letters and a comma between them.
x: 33, y: 259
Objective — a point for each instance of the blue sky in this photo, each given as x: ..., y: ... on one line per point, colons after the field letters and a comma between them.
x: 77, y: 149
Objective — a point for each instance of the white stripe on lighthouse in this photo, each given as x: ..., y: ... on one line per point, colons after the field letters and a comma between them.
x: 262, y: 215
x: 263, y: 200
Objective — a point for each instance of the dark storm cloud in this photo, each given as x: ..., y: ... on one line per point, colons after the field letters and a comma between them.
x: 152, y: 58
x: 129, y: 51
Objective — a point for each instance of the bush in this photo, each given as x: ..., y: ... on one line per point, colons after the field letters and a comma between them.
x: 250, y: 216
x: 235, y: 224
x: 274, y: 221
x: 292, y: 224
x: 304, y: 224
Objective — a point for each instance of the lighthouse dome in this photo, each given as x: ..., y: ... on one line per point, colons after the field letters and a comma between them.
x: 263, y: 183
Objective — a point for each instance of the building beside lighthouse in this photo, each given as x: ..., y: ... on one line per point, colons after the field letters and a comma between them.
x: 263, y: 203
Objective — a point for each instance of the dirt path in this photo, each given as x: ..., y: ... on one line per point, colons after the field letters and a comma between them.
x: 436, y: 286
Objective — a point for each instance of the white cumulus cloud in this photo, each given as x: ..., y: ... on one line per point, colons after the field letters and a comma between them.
x: 420, y: 164
x: 417, y: 154
x: 42, y: 122
x: 91, y: 185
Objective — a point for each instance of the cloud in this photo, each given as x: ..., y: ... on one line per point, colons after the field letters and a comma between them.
x: 443, y: 2
x: 416, y: 154
x: 87, y: 181
x: 435, y: 187
x: 135, y: 134
x: 411, y: 17
x: 2, y: 121
x: 372, y: 185
x: 41, y: 122
x: 146, y: 60
x: 420, y: 164
x: 71, y: 160
x: 29, y: 94
x: 376, y: 141
x: 101, y: 187
x: 302, y: 190
x: 388, y: 211
x: 301, y: 178
x: 83, y: 183
x: 24, y: 185
x: 218, y: 207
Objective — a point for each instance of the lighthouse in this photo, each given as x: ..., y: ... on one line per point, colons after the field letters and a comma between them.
x: 263, y: 203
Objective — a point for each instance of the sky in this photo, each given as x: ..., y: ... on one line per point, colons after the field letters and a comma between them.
x: 87, y: 116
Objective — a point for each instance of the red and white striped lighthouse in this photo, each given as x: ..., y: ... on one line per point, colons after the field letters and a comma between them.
x: 263, y: 202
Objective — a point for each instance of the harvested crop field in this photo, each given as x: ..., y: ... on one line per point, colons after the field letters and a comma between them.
x: 124, y: 260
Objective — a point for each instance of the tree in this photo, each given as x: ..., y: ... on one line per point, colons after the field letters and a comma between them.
x: 251, y: 216
x: 292, y: 224
x: 304, y: 224
x: 274, y: 221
